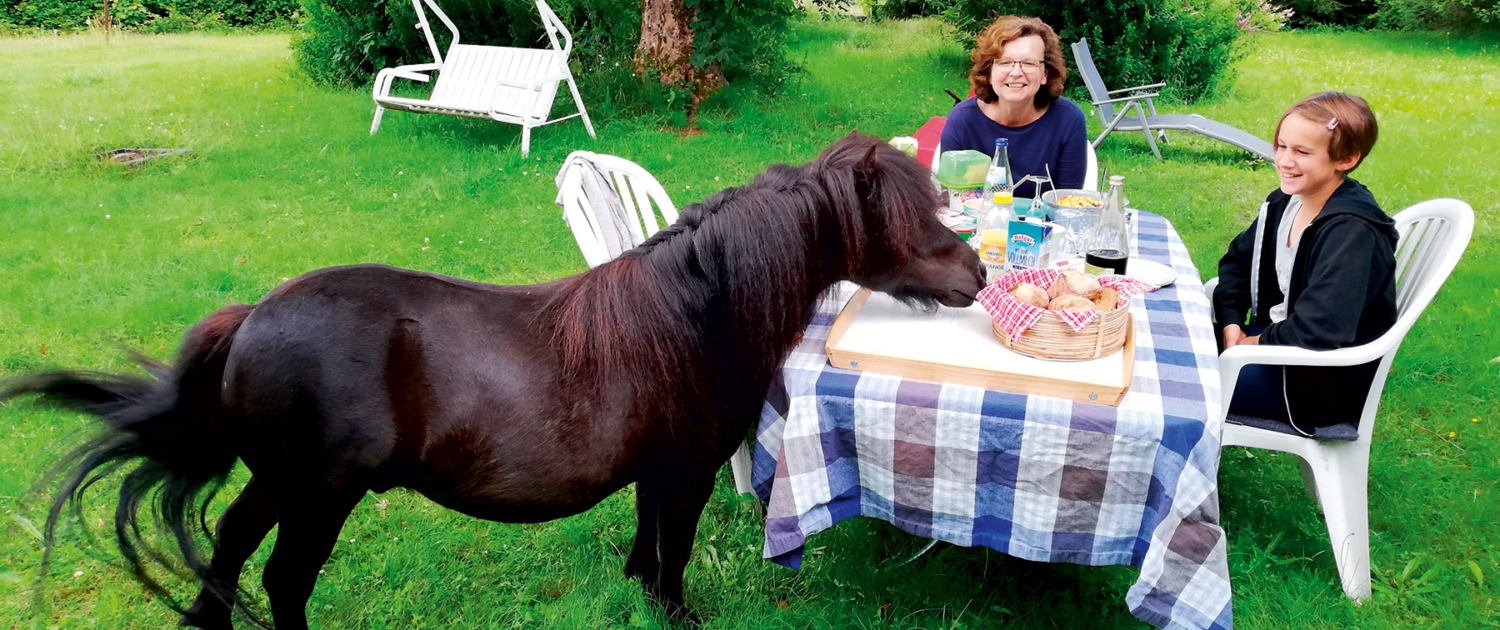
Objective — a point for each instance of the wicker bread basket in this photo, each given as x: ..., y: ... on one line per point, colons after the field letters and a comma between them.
x: 1052, y: 338
x: 1044, y: 334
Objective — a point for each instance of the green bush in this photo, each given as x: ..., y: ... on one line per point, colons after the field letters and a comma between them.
x: 1310, y: 13
x: 1463, y: 15
x: 173, y: 22
x: 239, y: 13
x: 70, y: 15
x: 53, y: 14
x: 1191, y: 45
x: 1262, y: 15
x: 902, y: 9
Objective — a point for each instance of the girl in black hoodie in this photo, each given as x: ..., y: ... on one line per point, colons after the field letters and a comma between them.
x: 1316, y: 269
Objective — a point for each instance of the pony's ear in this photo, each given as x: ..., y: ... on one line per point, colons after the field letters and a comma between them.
x: 869, y: 159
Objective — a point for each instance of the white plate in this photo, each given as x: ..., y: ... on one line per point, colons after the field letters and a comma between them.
x: 1152, y: 273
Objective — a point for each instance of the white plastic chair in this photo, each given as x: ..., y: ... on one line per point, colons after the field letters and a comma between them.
x: 511, y: 85
x: 642, y: 199
x: 1091, y: 175
x: 647, y: 208
x: 1433, y: 237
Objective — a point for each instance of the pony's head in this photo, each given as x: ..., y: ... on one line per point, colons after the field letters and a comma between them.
x: 892, y: 239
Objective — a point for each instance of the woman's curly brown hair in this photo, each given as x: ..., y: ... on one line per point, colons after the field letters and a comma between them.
x: 991, y: 44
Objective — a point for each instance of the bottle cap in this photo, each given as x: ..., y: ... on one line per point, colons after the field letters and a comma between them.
x: 1001, y: 142
x: 1116, y: 180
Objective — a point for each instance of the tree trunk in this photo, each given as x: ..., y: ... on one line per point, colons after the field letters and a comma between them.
x: 666, y: 47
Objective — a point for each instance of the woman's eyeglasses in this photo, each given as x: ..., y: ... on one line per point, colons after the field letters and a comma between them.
x: 1029, y: 67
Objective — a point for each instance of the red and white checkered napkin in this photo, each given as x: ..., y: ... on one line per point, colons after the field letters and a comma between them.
x: 1016, y: 317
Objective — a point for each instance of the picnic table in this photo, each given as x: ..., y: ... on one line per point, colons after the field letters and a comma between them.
x: 1035, y: 477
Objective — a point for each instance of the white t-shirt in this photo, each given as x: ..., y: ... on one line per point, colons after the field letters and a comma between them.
x: 1285, y: 255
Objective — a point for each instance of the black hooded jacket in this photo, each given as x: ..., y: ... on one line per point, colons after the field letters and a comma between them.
x: 1342, y: 293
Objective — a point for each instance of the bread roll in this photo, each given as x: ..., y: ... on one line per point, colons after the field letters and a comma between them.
x: 1070, y: 303
x: 1074, y: 282
x: 1030, y: 294
x: 1108, y: 300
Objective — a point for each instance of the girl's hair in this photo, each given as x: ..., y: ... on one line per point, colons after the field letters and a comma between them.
x: 1351, y: 125
x: 991, y: 43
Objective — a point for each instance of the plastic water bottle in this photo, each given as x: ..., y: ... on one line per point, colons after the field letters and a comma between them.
x: 994, y: 231
x: 1110, y: 247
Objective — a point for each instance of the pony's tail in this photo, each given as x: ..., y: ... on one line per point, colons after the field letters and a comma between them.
x: 170, y: 426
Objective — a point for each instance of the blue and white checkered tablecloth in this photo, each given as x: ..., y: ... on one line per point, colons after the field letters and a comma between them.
x: 1035, y: 477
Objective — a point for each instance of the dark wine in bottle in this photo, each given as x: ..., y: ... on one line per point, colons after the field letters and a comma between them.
x: 1105, y: 261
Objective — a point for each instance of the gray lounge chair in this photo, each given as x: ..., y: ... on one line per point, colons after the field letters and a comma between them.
x: 1113, y: 108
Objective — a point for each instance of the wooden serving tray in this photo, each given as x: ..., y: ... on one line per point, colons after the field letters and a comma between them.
x: 876, y: 333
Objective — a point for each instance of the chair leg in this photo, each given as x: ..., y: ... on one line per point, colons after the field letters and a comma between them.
x: 1146, y: 129
x: 375, y: 126
x: 525, y: 140
x: 1343, y: 490
x: 578, y: 101
x: 1309, y: 481
x: 1110, y: 126
x: 740, y: 465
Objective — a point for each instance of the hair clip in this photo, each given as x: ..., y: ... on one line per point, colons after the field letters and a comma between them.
x: 1333, y: 123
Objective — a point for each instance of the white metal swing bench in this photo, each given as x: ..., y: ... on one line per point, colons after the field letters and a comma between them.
x: 511, y: 85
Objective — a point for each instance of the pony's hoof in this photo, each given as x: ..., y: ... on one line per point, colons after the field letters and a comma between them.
x: 639, y: 570
x: 207, y: 622
x: 682, y: 615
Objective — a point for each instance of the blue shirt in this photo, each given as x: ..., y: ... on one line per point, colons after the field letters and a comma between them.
x: 1054, y: 141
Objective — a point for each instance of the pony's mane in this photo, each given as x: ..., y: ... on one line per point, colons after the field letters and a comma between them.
x: 747, y: 261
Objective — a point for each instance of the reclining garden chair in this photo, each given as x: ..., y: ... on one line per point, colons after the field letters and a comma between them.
x: 1112, y: 111
x: 1336, y: 460
x: 511, y: 85
x: 612, y: 204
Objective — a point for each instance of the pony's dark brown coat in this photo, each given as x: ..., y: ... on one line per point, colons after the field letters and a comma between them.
x: 515, y: 404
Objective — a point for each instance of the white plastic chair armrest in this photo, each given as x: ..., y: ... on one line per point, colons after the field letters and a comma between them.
x: 412, y: 71
x: 384, y: 78
x: 1138, y: 88
x: 1235, y: 359
x: 414, y: 76
x: 1126, y: 99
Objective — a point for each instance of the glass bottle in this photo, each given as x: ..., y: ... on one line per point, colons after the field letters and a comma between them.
x: 998, y: 184
x: 1110, y: 246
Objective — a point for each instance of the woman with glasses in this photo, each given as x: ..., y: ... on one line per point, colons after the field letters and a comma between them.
x: 1017, y: 80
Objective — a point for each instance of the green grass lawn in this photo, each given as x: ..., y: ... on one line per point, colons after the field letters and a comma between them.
x: 284, y: 179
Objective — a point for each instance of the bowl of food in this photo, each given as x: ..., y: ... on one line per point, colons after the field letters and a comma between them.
x: 1077, y: 212
x: 1072, y: 198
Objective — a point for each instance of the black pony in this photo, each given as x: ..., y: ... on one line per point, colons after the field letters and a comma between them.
x: 515, y: 404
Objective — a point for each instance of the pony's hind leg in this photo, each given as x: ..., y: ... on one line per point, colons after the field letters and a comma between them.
x: 310, y: 524
x: 240, y: 530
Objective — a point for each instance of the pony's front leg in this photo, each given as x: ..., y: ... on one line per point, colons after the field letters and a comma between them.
x: 643, y: 563
x: 310, y: 525
x: 239, y: 532
x: 680, y: 506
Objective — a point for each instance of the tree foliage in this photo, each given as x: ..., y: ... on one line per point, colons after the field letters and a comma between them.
x: 72, y: 15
